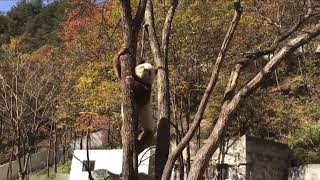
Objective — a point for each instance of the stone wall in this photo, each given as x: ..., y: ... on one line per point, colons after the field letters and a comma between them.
x: 96, y: 140
x: 266, y: 160
x: 249, y: 158
x: 231, y: 154
x: 38, y: 161
x: 305, y: 172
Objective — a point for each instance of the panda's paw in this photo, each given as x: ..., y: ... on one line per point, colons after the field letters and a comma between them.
x: 129, y: 79
x: 123, y: 50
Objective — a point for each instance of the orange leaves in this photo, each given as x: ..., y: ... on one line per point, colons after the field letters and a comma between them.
x: 79, y: 15
x: 93, y: 121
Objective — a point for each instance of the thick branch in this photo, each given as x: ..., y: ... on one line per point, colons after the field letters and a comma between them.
x: 140, y: 12
x: 153, y: 39
x: 137, y: 22
x: 205, y: 98
x: 167, y: 28
x: 126, y: 21
x: 230, y: 104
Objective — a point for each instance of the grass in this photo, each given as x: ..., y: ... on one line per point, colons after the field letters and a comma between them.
x: 63, y: 169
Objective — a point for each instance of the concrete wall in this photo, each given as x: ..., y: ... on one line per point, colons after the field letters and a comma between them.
x: 249, y: 158
x: 233, y: 153
x: 266, y: 160
x: 306, y: 172
x: 318, y: 48
x: 96, y: 140
x: 38, y: 161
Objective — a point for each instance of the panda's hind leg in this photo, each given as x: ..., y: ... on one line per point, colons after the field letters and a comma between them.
x: 145, y: 139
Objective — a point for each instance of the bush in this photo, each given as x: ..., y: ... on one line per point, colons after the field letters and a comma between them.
x: 305, y: 144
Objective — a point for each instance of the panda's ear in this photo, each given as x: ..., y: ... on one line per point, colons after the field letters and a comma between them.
x: 141, y: 62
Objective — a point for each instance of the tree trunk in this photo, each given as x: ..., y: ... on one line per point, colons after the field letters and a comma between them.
x: 64, y: 148
x: 49, y: 153
x: 131, y: 28
x: 161, y: 59
x: 163, y: 126
x: 55, y: 147
x: 74, y: 140
x: 188, y: 154
x: 9, y: 172
x: 88, y: 158
x: 21, y: 173
x: 129, y: 125
x: 81, y: 141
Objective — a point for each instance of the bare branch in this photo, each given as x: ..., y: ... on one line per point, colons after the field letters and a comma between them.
x: 252, y: 55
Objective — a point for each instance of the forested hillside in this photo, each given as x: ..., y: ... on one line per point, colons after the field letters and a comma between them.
x: 57, y: 81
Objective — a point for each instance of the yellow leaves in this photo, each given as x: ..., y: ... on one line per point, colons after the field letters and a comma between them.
x: 13, y: 45
x: 42, y: 54
x: 84, y: 82
x: 14, y: 42
x: 94, y: 92
x: 249, y: 19
x: 90, y: 73
x: 101, y: 97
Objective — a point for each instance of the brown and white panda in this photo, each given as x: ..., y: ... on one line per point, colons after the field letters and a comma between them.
x: 141, y: 84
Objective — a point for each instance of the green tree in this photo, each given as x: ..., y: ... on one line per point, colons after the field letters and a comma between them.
x: 305, y: 143
x: 37, y: 23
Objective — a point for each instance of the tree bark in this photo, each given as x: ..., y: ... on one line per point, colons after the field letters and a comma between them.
x: 188, y: 154
x: 231, y: 102
x: 49, y: 151
x: 129, y: 117
x: 198, y: 117
x: 88, y: 158
x: 81, y: 141
x: 55, y: 148
x: 9, y: 172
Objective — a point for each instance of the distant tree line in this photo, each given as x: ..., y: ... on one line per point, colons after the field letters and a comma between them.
x: 35, y: 22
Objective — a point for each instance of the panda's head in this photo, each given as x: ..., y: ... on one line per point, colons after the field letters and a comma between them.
x: 146, y: 72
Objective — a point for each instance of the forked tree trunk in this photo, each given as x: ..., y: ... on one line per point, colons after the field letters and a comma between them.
x: 161, y: 58
x: 198, y: 117
x: 231, y: 102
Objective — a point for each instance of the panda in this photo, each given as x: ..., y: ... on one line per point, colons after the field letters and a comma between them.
x: 141, y: 84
